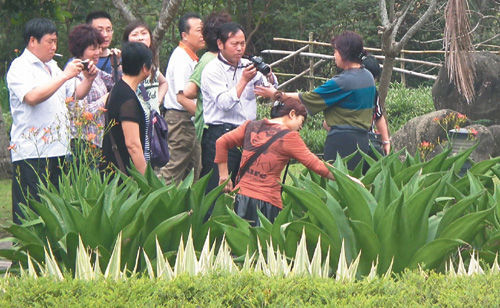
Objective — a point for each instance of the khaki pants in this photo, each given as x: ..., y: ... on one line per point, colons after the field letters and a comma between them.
x: 184, y: 147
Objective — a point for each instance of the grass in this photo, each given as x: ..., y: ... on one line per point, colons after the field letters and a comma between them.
x: 5, y: 204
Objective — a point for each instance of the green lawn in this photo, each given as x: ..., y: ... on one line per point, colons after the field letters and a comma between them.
x: 5, y: 204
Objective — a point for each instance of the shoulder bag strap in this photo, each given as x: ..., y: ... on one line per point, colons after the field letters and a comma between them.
x: 114, y: 147
x: 259, y: 151
x: 114, y: 65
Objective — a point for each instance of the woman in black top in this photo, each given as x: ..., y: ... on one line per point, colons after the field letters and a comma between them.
x: 126, y: 138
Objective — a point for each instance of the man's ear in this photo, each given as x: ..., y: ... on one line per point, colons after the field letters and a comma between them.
x: 183, y: 36
x: 32, y: 41
x: 292, y: 114
x: 220, y: 45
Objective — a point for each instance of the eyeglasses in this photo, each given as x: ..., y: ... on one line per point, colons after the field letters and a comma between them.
x: 105, y: 30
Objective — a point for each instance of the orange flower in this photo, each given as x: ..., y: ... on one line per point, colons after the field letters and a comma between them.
x: 78, y: 123
x: 91, y: 136
x: 47, y: 130
x: 45, y: 139
x: 88, y: 116
x: 473, y: 131
x: 461, y: 116
x: 69, y: 99
x: 32, y: 129
x: 99, y: 125
x: 425, y: 144
x: 11, y: 147
x: 436, y: 119
x: 16, y: 50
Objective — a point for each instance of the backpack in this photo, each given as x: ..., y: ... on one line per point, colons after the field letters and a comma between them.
x: 158, y: 145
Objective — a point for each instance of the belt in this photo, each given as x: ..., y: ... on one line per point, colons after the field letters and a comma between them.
x: 226, y: 126
x: 173, y: 109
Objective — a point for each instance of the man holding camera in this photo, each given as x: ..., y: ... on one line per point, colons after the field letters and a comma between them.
x: 227, y: 85
x: 38, y: 91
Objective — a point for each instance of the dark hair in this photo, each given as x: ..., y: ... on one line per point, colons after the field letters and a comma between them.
x: 210, y: 27
x: 184, y: 24
x: 37, y: 28
x: 350, y: 46
x: 227, y: 30
x: 282, y: 108
x: 96, y: 15
x: 372, y: 65
x: 141, y: 24
x: 134, y: 56
x: 81, y: 37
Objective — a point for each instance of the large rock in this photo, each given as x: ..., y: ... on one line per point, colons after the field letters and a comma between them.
x: 486, y: 147
x: 420, y: 129
x: 486, y: 104
x: 495, y: 132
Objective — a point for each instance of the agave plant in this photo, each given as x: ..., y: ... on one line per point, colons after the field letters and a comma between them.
x: 97, y: 208
x: 410, y: 214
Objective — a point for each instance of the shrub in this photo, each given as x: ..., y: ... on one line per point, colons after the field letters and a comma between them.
x: 221, y: 289
x: 403, y: 104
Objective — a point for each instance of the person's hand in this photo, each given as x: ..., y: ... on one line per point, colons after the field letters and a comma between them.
x: 270, y: 76
x: 249, y: 73
x: 325, y: 126
x: 91, y: 73
x: 229, y: 184
x: 387, y: 148
x: 265, y: 91
x: 117, y: 52
x: 73, y: 68
x: 355, y: 180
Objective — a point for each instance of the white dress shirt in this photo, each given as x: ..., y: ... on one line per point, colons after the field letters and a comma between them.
x: 220, y: 101
x: 42, y: 130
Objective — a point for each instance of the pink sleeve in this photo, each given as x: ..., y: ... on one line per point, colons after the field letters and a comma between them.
x: 297, y: 149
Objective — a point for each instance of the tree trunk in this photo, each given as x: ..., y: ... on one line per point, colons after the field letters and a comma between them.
x: 5, y: 160
x: 385, y: 80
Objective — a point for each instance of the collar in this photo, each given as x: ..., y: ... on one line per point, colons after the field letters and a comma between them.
x: 34, y: 59
x: 230, y: 66
x: 188, y: 50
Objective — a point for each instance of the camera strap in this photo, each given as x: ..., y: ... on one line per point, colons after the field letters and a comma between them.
x: 259, y: 151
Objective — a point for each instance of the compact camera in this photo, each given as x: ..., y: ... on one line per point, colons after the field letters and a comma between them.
x: 260, y: 65
x: 85, y: 64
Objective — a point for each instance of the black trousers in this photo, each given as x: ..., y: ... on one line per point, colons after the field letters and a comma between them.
x: 210, y: 136
x: 25, y: 180
x: 345, y: 143
x: 246, y: 207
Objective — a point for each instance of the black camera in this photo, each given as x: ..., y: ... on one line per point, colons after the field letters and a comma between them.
x: 260, y: 65
x: 85, y: 64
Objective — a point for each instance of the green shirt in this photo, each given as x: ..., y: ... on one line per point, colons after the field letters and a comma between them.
x: 199, y: 123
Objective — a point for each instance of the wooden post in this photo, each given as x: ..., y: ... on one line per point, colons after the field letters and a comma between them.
x: 403, y: 76
x: 311, y: 64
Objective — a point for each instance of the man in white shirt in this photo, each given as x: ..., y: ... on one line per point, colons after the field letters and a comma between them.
x: 185, y: 151
x: 38, y: 92
x: 227, y: 85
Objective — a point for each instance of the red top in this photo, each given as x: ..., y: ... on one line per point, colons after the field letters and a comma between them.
x: 261, y: 181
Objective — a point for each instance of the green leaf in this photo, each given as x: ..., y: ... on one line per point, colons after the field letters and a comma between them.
x: 435, y: 252
x: 160, y: 231
x: 358, y: 200
x: 368, y: 243
x: 465, y: 227
x: 318, y: 209
x: 237, y: 239
x: 456, y: 211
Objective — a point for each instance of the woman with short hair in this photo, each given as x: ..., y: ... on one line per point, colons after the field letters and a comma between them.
x: 87, y: 119
x: 124, y: 143
x: 347, y: 100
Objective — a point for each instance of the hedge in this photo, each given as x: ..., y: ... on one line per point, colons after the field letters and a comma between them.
x: 253, y: 290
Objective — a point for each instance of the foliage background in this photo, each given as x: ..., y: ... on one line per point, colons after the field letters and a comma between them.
x: 287, y: 18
